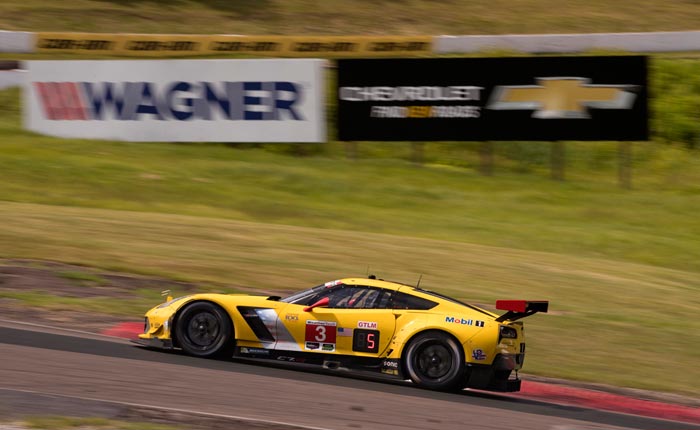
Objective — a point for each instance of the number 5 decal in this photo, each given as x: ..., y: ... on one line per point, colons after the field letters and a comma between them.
x: 365, y: 340
x: 370, y: 341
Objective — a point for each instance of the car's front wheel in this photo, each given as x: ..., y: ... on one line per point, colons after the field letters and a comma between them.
x: 205, y: 330
x: 435, y: 360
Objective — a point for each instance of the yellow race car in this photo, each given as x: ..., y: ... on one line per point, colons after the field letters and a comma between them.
x: 357, y: 324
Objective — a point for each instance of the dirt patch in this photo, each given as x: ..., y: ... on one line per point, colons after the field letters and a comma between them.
x: 60, y: 280
x: 69, y: 280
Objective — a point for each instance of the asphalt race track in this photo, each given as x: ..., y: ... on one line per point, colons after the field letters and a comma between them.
x: 57, y: 372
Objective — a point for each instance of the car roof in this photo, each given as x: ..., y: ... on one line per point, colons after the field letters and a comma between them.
x: 391, y: 285
x: 381, y: 283
x: 410, y: 289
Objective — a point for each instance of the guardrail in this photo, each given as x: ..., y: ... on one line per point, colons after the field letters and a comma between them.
x: 341, y: 46
x: 21, y: 42
x: 571, y: 43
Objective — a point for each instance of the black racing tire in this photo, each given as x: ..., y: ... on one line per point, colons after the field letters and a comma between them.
x: 203, y: 329
x: 435, y: 360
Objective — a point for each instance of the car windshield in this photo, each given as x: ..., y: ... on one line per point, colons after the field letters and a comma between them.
x: 303, y: 294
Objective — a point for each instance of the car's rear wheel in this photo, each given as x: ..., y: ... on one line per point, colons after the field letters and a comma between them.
x: 435, y: 360
x: 205, y: 330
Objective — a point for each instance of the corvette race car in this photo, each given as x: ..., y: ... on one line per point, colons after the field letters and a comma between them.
x: 357, y: 324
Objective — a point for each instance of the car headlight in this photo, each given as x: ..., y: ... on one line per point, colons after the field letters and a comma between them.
x: 508, y: 333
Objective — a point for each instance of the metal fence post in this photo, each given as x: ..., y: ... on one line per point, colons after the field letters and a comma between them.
x: 486, y: 158
x: 624, y: 164
x: 557, y: 158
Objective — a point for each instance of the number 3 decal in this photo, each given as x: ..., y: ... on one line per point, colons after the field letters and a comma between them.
x: 320, y: 331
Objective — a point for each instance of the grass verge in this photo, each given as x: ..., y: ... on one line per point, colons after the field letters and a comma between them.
x: 606, y: 314
x: 78, y: 423
x: 349, y: 16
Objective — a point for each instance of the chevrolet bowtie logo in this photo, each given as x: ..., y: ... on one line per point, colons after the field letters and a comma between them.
x: 562, y: 97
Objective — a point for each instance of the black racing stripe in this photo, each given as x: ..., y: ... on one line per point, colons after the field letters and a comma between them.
x: 255, y: 323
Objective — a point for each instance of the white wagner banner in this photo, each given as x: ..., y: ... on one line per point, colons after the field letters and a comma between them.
x: 177, y: 100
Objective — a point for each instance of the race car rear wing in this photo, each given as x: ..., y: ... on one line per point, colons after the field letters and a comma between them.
x: 520, y: 308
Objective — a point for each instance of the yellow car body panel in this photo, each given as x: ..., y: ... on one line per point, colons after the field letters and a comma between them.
x: 364, y: 324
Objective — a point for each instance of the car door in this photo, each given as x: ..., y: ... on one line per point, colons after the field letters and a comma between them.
x: 354, y: 320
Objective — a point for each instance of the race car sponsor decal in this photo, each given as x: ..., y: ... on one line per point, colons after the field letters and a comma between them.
x: 390, y: 366
x: 291, y: 317
x: 332, y: 283
x: 330, y: 347
x: 282, y: 336
x: 344, y: 332
x: 478, y: 354
x: 254, y: 351
x: 318, y: 332
x: 458, y: 321
x: 462, y: 321
x: 390, y: 363
x: 366, y: 324
x: 312, y: 345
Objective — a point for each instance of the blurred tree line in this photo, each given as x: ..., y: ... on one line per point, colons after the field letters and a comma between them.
x: 675, y: 101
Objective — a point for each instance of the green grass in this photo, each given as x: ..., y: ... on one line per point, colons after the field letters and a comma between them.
x: 71, y: 423
x: 349, y: 16
x: 133, y: 304
x: 446, y: 199
x: 82, y: 278
x: 654, y: 224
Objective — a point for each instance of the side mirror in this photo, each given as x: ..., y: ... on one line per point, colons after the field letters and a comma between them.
x: 323, y: 302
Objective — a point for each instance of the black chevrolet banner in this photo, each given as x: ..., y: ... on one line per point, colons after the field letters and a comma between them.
x: 535, y: 98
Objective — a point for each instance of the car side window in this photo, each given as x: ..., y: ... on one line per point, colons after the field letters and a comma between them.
x: 407, y: 301
x: 338, y: 296
x: 370, y: 298
x: 354, y: 297
x: 307, y: 297
x: 384, y: 299
x: 363, y: 297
